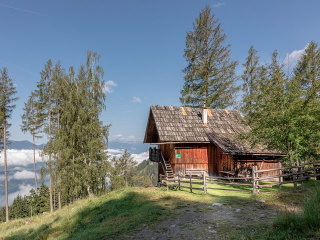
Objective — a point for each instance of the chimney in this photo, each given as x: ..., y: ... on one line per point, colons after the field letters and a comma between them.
x: 205, y: 116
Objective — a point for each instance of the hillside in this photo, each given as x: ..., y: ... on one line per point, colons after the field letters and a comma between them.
x: 146, y: 174
x: 143, y: 213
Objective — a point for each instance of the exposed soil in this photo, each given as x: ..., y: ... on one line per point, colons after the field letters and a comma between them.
x: 203, y: 221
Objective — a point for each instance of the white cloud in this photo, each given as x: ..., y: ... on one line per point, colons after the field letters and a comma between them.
x: 108, y: 86
x: 137, y: 157
x: 136, y: 100
x: 219, y: 4
x: 24, y: 190
x: 292, y: 58
x: 23, y: 175
x: 115, y: 151
x: 20, y: 157
x: 125, y: 139
x: 141, y: 156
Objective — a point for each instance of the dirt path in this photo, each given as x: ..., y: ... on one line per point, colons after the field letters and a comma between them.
x: 203, y: 221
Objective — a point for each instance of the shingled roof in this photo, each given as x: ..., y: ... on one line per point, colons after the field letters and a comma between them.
x: 184, y: 125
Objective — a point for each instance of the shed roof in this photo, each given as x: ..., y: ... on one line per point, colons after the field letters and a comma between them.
x: 184, y: 124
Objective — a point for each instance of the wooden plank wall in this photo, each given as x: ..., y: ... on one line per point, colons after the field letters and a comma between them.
x: 209, y: 157
x: 261, y: 165
x: 193, y: 156
x: 197, y: 156
x: 218, y: 161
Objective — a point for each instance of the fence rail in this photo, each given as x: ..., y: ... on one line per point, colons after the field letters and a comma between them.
x: 285, y: 175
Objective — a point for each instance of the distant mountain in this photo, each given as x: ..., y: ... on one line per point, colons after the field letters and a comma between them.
x: 19, y: 145
x: 133, y: 147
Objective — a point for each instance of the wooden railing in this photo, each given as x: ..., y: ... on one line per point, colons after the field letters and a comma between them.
x: 284, y: 175
x: 193, y: 182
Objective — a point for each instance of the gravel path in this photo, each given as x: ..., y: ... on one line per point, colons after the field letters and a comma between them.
x: 203, y: 221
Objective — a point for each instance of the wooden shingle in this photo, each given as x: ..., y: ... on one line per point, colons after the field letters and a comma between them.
x: 175, y: 124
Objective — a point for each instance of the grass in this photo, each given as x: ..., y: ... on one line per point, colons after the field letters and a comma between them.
x: 121, y: 213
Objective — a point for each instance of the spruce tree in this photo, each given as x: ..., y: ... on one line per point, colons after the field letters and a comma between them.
x: 32, y: 122
x: 127, y: 165
x: 250, y: 79
x: 210, y: 74
x: 7, y: 92
x: 45, y: 88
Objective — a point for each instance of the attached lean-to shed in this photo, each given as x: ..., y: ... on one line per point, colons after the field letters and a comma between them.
x: 203, y: 139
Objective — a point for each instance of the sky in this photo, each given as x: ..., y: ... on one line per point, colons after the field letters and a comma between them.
x: 141, y: 43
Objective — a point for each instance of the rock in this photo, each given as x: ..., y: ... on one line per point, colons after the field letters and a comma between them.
x: 28, y: 221
x: 261, y: 200
x: 238, y: 210
x: 212, y: 231
x: 262, y: 215
x: 173, y: 226
x: 217, y: 204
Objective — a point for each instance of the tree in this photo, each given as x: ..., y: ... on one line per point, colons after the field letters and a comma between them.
x: 210, y: 74
x: 45, y: 89
x: 307, y: 80
x: 282, y: 116
x: 124, y: 167
x: 32, y: 121
x: 7, y: 91
x: 250, y: 78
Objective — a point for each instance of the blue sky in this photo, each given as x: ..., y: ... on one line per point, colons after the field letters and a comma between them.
x: 141, y: 43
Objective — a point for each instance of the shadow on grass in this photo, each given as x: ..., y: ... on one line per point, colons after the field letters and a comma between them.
x: 41, y: 232
x: 125, y: 212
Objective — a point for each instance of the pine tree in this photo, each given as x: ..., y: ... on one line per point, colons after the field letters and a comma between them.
x: 307, y: 80
x: 45, y: 88
x: 32, y: 121
x: 127, y: 165
x: 278, y: 118
x: 210, y: 75
x: 7, y: 91
x: 250, y: 78
x: 307, y: 71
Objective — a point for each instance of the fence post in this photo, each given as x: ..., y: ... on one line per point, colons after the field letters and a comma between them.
x: 253, y: 179
x: 167, y: 184
x: 179, y: 181
x: 204, y: 184
x: 301, y: 171
x: 190, y: 184
x: 280, y: 173
x: 257, y: 176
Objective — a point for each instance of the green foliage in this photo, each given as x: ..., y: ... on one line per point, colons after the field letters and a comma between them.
x: 146, y: 174
x: 293, y: 225
x: 71, y: 105
x: 282, y: 111
x: 122, y: 171
x: 28, y: 205
x: 210, y: 75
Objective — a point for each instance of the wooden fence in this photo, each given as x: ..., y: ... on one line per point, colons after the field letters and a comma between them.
x: 284, y: 175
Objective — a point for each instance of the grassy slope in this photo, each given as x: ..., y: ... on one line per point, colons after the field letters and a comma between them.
x: 118, y: 213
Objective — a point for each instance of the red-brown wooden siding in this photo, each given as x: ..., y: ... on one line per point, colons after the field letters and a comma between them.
x: 207, y: 156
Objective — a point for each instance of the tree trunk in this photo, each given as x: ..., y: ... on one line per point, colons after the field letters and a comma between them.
x: 73, y: 184
x: 59, y: 170
x: 59, y: 194
x: 34, y: 164
x: 50, y: 167
x: 5, y: 168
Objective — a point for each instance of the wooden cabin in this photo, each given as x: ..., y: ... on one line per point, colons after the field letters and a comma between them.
x: 203, y: 139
